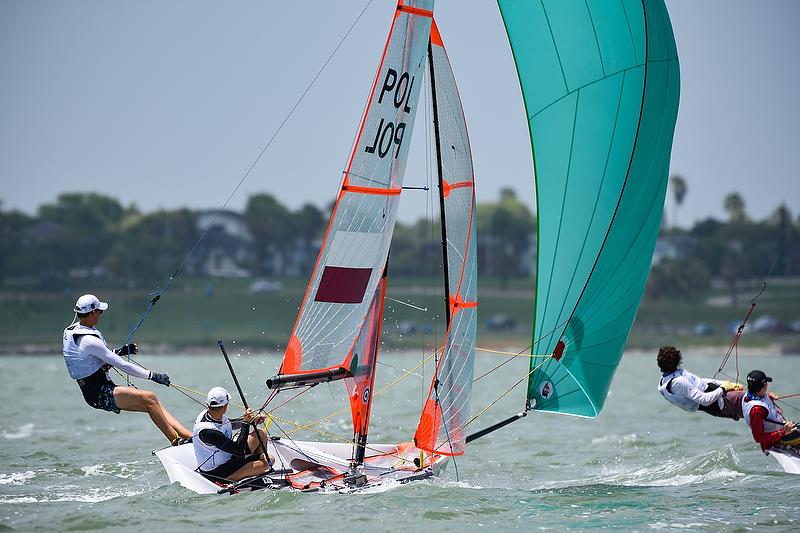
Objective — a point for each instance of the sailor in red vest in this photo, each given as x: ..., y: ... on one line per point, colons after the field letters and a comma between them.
x: 88, y: 361
x: 692, y: 393
x: 767, y: 423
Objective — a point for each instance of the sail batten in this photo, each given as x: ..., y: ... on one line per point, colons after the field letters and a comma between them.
x: 600, y: 83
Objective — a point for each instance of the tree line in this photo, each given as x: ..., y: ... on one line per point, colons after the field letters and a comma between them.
x: 89, y: 235
x: 94, y: 236
x: 735, y: 249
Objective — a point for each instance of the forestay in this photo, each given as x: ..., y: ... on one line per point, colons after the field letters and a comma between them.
x: 441, y: 427
x: 600, y: 81
x: 356, y: 244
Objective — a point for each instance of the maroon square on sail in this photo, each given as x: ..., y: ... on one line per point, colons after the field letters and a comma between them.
x: 343, y: 285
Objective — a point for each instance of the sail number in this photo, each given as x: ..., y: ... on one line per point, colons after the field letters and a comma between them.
x: 388, y: 134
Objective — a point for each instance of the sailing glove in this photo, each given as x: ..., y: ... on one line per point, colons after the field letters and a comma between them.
x: 160, y: 377
x: 127, y: 349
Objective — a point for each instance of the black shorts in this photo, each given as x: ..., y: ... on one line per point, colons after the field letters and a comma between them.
x: 98, y: 391
x: 224, y: 470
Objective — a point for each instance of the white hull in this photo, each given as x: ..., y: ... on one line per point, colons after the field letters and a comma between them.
x: 383, y: 462
x: 788, y: 459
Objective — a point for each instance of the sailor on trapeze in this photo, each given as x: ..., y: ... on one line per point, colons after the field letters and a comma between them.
x: 88, y: 360
x: 692, y: 393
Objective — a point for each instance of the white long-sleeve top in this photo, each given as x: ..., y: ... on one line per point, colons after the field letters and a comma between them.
x: 687, y: 390
x: 95, y: 347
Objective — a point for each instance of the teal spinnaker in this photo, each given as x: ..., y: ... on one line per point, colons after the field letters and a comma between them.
x: 601, y: 83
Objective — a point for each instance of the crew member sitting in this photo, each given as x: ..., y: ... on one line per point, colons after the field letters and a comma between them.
x: 219, y: 456
x: 766, y: 420
x: 88, y: 361
x: 692, y: 393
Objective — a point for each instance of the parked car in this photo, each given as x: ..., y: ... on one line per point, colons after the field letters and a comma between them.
x: 702, y: 329
x: 265, y: 285
x: 767, y: 323
x: 408, y: 327
x: 500, y: 323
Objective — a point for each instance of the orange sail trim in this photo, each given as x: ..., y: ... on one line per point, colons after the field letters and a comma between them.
x: 415, y: 11
x: 436, y: 37
x: 447, y: 187
x: 293, y: 356
x: 457, y: 303
x: 428, y: 427
x: 372, y: 190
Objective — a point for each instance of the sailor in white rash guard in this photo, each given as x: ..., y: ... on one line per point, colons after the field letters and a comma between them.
x: 692, y: 393
x: 88, y: 360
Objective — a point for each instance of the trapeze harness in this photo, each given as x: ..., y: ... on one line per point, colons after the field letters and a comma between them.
x: 80, y: 365
x: 687, y: 404
x: 210, y: 457
x: 90, y: 372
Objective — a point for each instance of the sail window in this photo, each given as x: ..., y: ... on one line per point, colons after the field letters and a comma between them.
x: 343, y: 285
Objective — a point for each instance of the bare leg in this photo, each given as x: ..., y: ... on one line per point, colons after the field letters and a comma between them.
x: 254, y: 468
x: 130, y: 399
x: 254, y: 445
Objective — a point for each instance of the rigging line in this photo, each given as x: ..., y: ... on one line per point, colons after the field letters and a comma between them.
x: 273, y: 409
x: 412, y: 306
x: 525, y: 377
x: 329, y: 435
x: 408, y: 373
x: 428, y: 291
x: 446, y: 432
x: 740, y: 329
x: 395, y: 368
x: 247, y: 174
x: 185, y: 390
x: 514, y: 356
x: 780, y: 253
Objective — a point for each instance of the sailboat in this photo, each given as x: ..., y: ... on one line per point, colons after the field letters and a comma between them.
x: 337, y: 332
x: 600, y: 82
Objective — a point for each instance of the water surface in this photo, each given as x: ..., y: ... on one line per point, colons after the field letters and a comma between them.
x: 641, y: 465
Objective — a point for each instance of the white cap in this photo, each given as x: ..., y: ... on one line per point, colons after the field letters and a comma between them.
x: 217, y: 397
x: 88, y: 303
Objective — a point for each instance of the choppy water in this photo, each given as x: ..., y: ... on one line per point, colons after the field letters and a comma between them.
x: 640, y: 465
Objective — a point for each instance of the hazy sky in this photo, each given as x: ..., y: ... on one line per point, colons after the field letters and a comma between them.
x: 167, y: 104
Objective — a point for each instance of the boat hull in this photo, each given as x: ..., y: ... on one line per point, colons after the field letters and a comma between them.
x: 789, y: 459
x: 313, y: 466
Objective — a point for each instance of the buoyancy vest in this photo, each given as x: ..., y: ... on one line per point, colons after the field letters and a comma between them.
x: 79, y: 364
x: 209, y: 457
x: 664, y: 387
x: 774, y: 420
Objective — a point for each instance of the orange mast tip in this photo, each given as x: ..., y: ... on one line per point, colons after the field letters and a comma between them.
x: 436, y: 37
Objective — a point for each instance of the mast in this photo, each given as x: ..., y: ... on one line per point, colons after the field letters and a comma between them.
x: 440, y: 175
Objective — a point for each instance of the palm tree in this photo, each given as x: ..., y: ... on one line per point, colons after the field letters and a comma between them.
x: 734, y: 206
x: 679, y: 190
